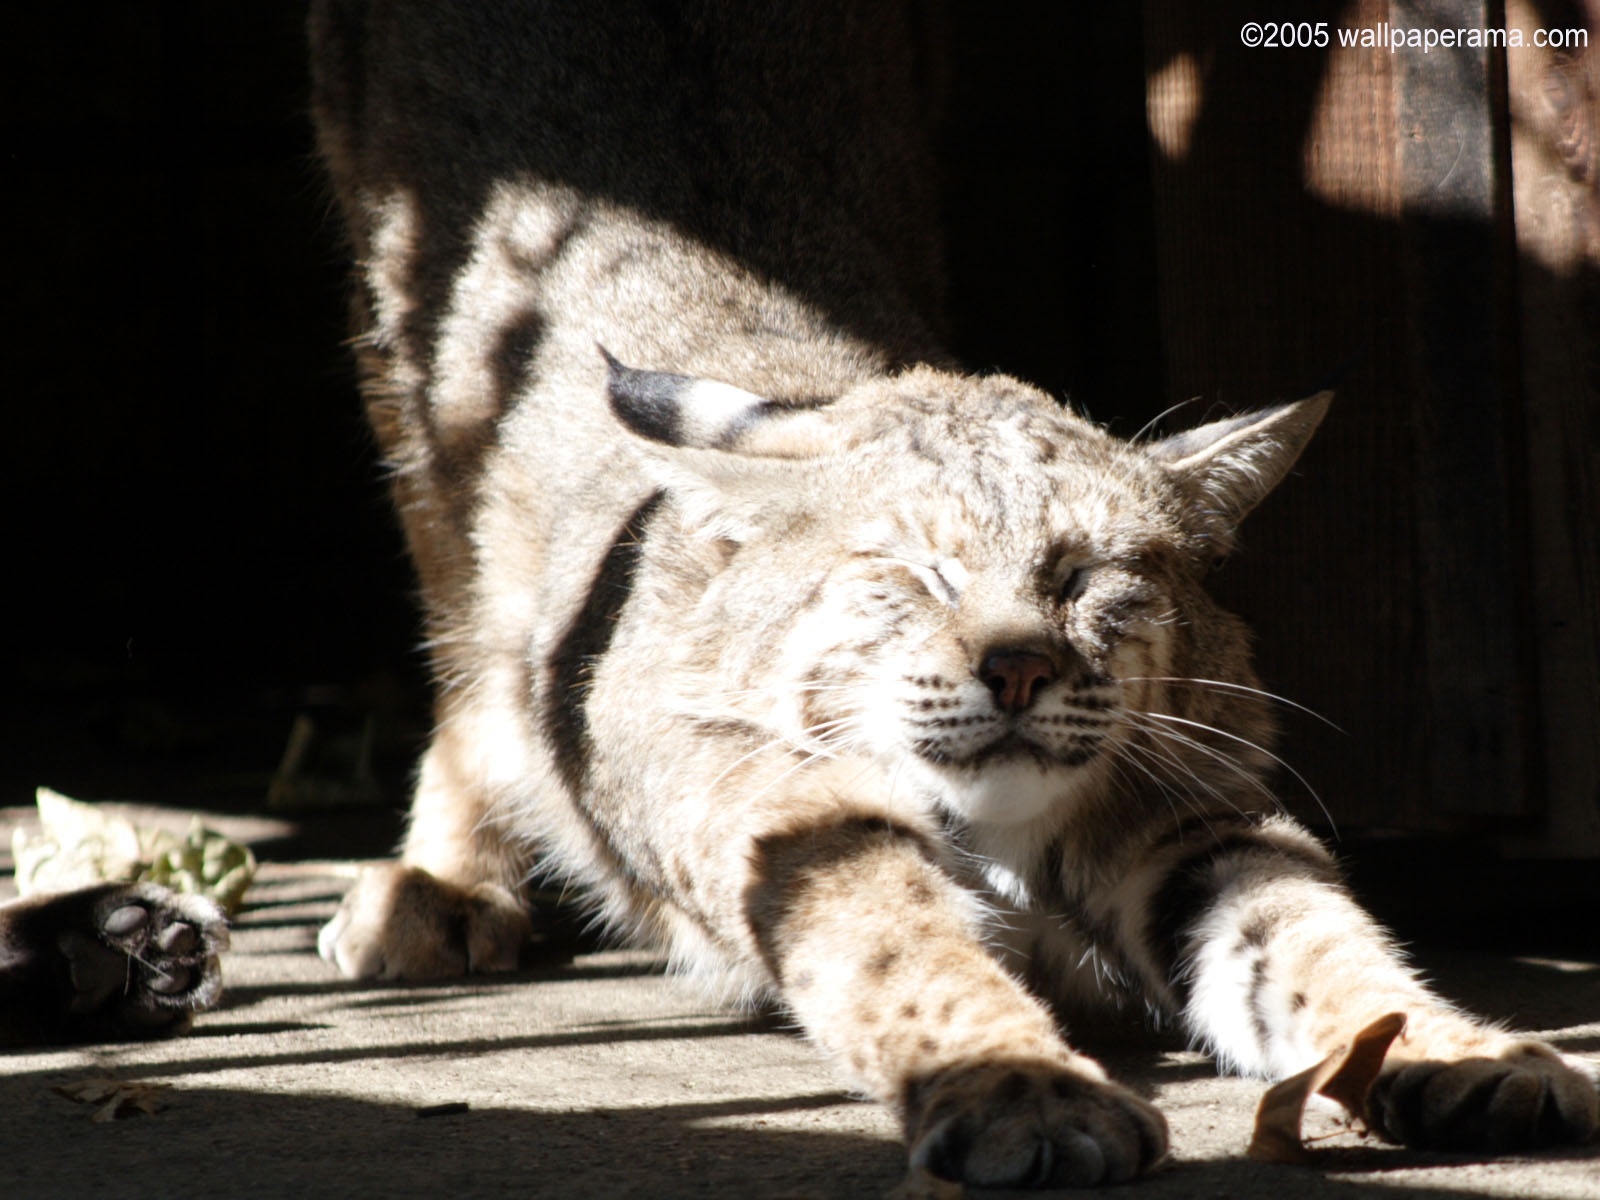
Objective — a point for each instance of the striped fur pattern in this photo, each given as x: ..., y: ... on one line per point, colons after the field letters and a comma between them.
x: 880, y: 691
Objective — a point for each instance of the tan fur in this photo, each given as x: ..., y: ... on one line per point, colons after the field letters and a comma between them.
x: 885, y: 692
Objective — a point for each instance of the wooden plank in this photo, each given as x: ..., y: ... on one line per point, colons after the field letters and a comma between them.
x: 1555, y: 153
x: 1457, y: 283
x: 1276, y: 246
x: 1345, y: 211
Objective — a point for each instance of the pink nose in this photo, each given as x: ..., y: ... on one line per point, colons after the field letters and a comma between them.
x: 1015, y: 677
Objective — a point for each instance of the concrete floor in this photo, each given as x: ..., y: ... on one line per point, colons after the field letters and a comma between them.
x: 602, y: 1077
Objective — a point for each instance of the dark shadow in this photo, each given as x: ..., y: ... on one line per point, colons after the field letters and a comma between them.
x: 305, y: 948
x: 256, y: 902
x: 309, y: 1145
x: 1381, y: 1160
x: 685, y: 135
x: 1524, y: 994
x: 459, y: 1050
x: 221, y: 1029
x: 1165, y: 1072
x: 248, y: 920
x: 330, y: 1146
x: 393, y: 992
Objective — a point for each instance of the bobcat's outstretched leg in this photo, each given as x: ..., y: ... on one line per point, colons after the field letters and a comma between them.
x: 1273, y: 965
x: 877, y: 951
x: 110, y: 962
x: 453, y: 904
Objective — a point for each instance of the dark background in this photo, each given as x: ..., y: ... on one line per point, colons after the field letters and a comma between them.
x: 206, y: 551
x: 206, y: 547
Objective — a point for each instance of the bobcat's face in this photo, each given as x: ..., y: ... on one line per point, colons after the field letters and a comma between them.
x: 958, y: 579
x: 988, y: 626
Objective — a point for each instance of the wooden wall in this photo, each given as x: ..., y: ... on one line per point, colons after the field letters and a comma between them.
x: 1554, y: 117
x: 1417, y: 228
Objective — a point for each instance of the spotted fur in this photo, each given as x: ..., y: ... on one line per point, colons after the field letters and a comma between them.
x: 884, y: 692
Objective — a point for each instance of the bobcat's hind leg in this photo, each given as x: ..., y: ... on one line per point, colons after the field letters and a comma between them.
x: 454, y: 904
x: 878, y: 952
x: 110, y: 962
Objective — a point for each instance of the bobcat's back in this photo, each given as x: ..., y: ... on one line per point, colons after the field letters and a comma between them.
x: 523, y: 182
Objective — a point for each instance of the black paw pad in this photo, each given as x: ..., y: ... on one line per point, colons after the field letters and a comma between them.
x: 108, y: 962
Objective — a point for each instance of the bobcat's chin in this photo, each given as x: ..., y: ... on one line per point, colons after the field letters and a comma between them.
x: 1003, y: 788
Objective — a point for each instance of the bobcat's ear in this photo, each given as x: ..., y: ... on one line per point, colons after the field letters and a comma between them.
x: 683, y: 411
x: 679, y: 410
x: 731, y: 459
x: 1229, y: 466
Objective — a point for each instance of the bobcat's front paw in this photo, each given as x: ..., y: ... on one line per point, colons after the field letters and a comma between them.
x: 1523, y: 1098
x: 400, y: 922
x: 1032, y: 1124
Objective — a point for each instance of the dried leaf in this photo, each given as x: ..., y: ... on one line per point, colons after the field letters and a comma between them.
x: 116, y: 1097
x: 1345, y: 1076
x: 1352, y: 1083
x: 87, y: 1091
x: 81, y: 844
x: 922, y: 1184
x: 78, y: 844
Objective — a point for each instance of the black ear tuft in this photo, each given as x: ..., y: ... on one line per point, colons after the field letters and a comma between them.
x: 682, y: 410
x: 647, y: 402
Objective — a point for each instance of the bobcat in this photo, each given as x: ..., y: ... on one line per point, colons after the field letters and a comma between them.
x: 884, y: 692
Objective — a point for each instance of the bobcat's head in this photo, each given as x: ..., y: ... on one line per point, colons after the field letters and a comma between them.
x: 959, y: 578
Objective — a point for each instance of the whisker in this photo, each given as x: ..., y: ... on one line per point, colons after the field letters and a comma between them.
x: 1217, y: 756
x: 1178, y: 770
x: 1161, y: 416
x: 779, y: 689
x: 1121, y: 766
x: 769, y: 744
x: 1237, y: 687
x: 772, y: 783
x: 1259, y: 750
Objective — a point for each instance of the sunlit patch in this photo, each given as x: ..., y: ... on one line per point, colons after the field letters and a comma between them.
x: 1564, y: 966
x: 1173, y: 100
